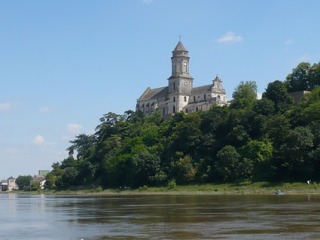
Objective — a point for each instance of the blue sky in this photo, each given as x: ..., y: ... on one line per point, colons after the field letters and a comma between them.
x: 63, y: 64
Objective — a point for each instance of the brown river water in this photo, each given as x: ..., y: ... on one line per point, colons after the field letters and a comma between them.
x: 49, y: 217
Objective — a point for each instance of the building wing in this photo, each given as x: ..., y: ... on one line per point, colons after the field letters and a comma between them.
x: 154, y: 94
x: 201, y: 89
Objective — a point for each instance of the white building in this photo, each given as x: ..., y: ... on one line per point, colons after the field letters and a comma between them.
x: 8, y: 185
x: 180, y: 95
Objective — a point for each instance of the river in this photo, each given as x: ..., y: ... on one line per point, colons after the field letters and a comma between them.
x: 61, y: 217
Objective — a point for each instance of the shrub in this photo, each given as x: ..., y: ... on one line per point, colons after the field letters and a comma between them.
x: 172, y: 184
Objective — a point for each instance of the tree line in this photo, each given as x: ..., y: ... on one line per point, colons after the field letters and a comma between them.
x: 274, y: 138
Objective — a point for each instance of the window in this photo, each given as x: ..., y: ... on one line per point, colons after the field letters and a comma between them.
x: 194, y: 98
x: 205, y: 97
x: 174, y: 99
x: 196, y: 109
x: 185, y: 67
x: 185, y: 98
x: 174, y: 86
x: 174, y: 109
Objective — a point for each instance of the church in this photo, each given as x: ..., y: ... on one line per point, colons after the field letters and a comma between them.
x: 180, y: 95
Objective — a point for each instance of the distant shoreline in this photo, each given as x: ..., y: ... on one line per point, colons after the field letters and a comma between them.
x: 259, y: 188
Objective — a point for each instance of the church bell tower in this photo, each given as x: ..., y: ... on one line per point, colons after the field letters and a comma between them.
x: 180, y: 81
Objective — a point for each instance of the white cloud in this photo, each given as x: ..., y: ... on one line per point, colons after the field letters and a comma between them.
x: 289, y: 41
x: 230, y: 37
x: 44, y: 109
x: 38, y: 140
x: 74, y: 128
x: 5, y: 106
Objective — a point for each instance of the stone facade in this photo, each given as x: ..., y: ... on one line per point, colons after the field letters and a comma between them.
x: 8, y: 185
x: 180, y: 95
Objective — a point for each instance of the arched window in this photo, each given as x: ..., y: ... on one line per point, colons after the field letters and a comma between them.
x: 185, y: 69
x: 185, y: 98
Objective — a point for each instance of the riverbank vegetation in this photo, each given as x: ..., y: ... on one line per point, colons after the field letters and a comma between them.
x: 243, y: 188
x: 272, y: 139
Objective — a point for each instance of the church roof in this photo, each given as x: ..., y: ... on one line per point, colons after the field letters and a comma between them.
x: 180, y: 47
x: 201, y: 89
x: 155, y: 93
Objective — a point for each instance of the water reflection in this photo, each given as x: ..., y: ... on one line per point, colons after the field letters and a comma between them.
x: 159, y: 217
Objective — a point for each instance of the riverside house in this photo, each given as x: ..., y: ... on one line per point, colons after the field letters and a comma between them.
x: 8, y: 185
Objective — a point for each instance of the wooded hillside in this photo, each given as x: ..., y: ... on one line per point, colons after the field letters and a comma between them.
x: 271, y: 139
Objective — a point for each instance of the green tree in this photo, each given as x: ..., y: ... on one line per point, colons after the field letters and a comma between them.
x: 276, y: 129
x: 150, y: 134
x: 311, y: 106
x: 81, y: 145
x: 70, y: 176
x: 295, y: 153
x: 23, y: 182
x: 264, y: 106
x: 35, y: 186
x: 180, y: 137
x: 227, y: 165
x: 68, y: 162
x: 315, y: 156
x: 244, y: 95
x: 214, y: 130
x: 146, y: 169
x: 260, y: 153
x: 185, y: 171
x: 299, y: 79
x: 108, y: 126
x: 50, y: 181
x: 315, y: 75
x: 186, y: 134
x: 256, y: 118
x: 238, y: 127
x: 277, y: 92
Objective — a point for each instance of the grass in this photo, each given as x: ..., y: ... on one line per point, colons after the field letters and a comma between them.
x: 239, y: 188
x: 244, y: 188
